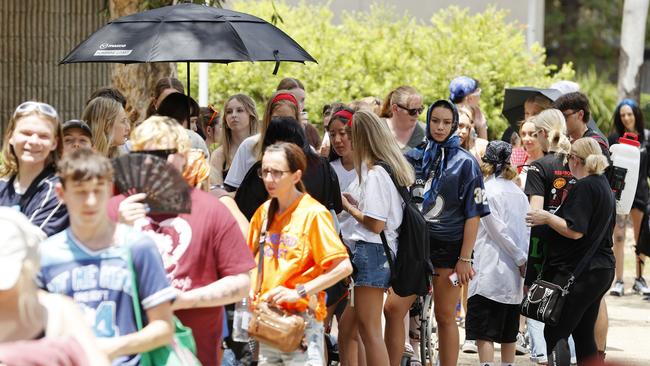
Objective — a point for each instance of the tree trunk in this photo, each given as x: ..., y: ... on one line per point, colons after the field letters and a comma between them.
x: 136, y: 81
x: 635, y: 13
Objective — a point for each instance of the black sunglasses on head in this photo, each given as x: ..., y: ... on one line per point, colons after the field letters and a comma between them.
x: 161, y: 153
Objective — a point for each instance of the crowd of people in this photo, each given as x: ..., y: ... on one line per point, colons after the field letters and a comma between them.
x: 310, y: 226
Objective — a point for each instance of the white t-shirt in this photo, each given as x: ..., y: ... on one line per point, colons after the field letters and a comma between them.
x: 345, y: 176
x: 244, y: 159
x: 378, y: 198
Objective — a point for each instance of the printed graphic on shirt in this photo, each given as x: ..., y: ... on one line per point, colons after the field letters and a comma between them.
x: 172, y: 237
x: 100, y: 282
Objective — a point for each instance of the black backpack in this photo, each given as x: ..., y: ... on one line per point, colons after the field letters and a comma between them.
x: 412, y: 269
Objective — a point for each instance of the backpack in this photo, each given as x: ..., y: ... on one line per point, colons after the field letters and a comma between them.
x: 412, y: 269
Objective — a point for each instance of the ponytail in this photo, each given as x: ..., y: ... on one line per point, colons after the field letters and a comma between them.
x: 385, y: 111
x: 596, y: 164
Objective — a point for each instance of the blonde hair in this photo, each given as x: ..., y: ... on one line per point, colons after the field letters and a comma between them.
x: 589, y: 151
x: 552, y: 122
x: 226, y: 132
x: 101, y: 114
x: 9, y: 164
x: 373, y: 142
x: 508, y: 172
x: 401, y: 95
x: 161, y: 131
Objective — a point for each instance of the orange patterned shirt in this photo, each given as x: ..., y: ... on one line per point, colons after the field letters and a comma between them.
x: 301, y: 244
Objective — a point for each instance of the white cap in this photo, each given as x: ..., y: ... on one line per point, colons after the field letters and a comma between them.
x: 19, y: 241
x: 566, y: 86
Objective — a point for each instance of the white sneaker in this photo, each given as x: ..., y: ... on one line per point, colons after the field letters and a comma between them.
x: 539, y: 359
x: 617, y: 289
x: 521, y: 348
x: 641, y: 287
x: 469, y: 347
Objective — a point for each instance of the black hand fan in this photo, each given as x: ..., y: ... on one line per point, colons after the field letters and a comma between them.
x: 167, y: 192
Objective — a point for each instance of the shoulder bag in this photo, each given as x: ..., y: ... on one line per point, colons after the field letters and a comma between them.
x: 545, y: 299
x: 269, y: 324
x: 181, y: 351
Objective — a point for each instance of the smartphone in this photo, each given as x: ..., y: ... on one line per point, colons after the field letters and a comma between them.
x: 453, y: 278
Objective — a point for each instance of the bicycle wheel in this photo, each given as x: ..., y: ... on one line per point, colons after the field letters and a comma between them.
x: 426, y: 330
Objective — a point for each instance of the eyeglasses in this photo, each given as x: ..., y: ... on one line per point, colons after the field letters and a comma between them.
x: 275, y: 174
x: 44, y: 108
x: 161, y: 153
x: 566, y: 115
x: 411, y: 111
x: 574, y: 156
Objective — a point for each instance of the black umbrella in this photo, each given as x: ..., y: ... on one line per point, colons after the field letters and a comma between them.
x: 188, y: 33
x: 514, y: 99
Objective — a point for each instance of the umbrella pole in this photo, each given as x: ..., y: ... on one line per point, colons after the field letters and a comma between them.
x: 188, y: 79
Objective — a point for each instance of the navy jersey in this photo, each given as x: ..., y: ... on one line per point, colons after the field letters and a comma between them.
x: 39, y: 202
x: 461, y: 194
x: 100, y: 281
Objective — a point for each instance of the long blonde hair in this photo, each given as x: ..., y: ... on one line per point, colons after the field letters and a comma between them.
x: 589, y: 151
x: 373, y: 142
x: 552, y: 122
x: 226, y: 132
x: 101, y: 114
x: 9, y: 164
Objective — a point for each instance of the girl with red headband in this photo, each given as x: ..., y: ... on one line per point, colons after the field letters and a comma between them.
x: 282, y: 104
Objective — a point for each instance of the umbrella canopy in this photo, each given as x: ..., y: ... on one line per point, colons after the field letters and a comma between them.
x: 513, y: 101
x: 513, y: 104
x: 188, y: 33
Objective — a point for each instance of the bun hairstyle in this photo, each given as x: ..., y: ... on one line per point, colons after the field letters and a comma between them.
x: 553, y: 123
x: 589, y: 151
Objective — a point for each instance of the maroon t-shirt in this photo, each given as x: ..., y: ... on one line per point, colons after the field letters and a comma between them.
x: 197, y: 250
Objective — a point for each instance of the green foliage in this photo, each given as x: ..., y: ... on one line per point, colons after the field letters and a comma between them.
x: 603, y: 97
x: 371, y: 53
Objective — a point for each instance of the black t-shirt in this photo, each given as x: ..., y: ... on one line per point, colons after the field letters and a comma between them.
x: 604, y: 146
x: 589, y: 209
x: 550, y: 178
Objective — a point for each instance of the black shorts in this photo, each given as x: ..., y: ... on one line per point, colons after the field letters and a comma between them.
x: 444, y: 254
x: 488, y: 320
x: 337, y: 295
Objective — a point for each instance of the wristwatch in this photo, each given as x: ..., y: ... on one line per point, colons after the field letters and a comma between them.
x: 301, y: 291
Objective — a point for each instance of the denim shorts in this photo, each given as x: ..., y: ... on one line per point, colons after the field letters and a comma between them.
x: 372, y: 266
x: 313, y: 356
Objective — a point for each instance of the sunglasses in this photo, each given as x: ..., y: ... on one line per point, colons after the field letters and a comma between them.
x: 44, y: 108
x: 411, y: 111
x: 161, y: 153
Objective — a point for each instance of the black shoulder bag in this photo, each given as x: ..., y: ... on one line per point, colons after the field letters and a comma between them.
x: 545, y: 300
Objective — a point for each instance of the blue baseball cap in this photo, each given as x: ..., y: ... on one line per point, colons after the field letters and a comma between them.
x: 462, y: 86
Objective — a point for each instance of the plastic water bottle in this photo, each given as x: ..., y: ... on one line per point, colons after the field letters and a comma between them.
x: 240, y: 322
x: 624, y: 176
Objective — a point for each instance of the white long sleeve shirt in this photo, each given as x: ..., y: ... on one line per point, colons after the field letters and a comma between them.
x: 502, y: 243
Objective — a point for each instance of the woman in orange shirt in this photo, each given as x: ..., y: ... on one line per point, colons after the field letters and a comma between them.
x: 303, y: 254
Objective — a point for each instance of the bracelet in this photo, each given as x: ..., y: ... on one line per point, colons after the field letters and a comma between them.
x: 301, y: 291
x: 466, y: 260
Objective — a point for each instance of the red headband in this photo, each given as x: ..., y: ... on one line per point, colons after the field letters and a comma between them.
x: 286, y: 96
x: 345, y: 114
